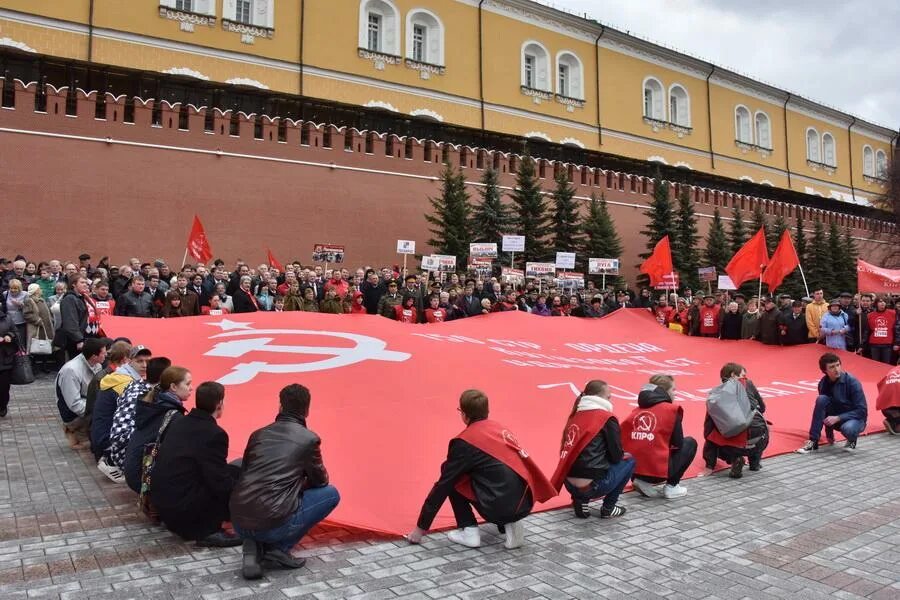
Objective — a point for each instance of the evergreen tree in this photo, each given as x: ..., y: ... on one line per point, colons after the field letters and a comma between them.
x: 838, y: 262
x: 450, y: 216
x: 685, y: 254
x: 851, y: 254
x: 738, y: 231
x: 793, y: 283
x: 601, y: 240
x: 566, y: 229
x: 774, y: 233
x: 760, y: 222
x: 818, y: 260
x: 491, y: 218
x: 660, y: 222
x: 717, y: 251
x: 530, y: 213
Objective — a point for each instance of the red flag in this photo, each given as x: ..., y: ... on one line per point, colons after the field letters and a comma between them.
x: 273, y: 262
x: 750, y: 260
x: 197, y: 244
x: 870, y: 278
x: 784, y: 260
x: 660, y: 262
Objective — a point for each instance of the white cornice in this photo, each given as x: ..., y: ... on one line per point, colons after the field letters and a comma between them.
x: 11, y: 43
x: 186, y: 72
x: 247, y: 82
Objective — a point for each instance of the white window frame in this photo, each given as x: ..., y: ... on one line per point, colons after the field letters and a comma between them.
x: 543, y: 72
x: 529, y: 70
x: 200, y: 7
x: 262, y: 12
x: 657, y: 108
x: 831, y: 161
x: 739, y: 111
x: 248, y: 4
x: 684, y: 106
x: 814, y: 149
x: 575, y: 74
x: 433, y: 50
x: 374, y: 26
x: 389, y: 34
x: 757, y: 130
x: 881, y: 165
x: 868, y: 161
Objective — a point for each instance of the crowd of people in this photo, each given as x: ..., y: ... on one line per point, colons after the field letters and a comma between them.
x: 128, y: 405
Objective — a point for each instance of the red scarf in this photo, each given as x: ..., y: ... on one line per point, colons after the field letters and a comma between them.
x: 581, y: 428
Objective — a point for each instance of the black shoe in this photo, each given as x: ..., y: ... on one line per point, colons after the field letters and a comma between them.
x: 581, y: 509
x: 219, y: 539
x: 612, y: 513
x: 273, y: 558
x: 737, y: 468
x: 3, y: 412
x: 250, y: 567
x: 755, y: 466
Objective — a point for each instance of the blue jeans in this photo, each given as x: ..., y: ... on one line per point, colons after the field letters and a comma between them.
x: 609, y: 487
x: 315, y: 505
x: 850, y: 428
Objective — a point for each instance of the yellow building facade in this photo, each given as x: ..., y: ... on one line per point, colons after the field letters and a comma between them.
x: 514, y: 67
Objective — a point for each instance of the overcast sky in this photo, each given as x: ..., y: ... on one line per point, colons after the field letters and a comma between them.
x: 842, y: 53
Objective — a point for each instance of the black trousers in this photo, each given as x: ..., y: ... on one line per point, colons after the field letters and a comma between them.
x: 713, y: 452
x: 465, y: 517
x: 892, y: 414
x: 5, y: 379
x: 679, y: 461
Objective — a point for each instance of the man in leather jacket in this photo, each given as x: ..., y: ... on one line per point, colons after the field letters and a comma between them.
x: 283, y: 488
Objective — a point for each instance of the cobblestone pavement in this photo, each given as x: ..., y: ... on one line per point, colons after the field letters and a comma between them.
x: 803, y: 527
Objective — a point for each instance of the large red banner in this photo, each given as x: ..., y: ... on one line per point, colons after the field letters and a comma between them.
x: 877, y: 279
x: 384, y: 394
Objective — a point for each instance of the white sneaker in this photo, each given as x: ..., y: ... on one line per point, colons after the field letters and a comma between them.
x: 114, y: 473
x: 651, y: 490
x: 515, y: 535
x: 671, y: 492
x: 469, y: 536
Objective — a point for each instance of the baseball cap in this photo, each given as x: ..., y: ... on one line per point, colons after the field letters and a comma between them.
x: 140, y: 350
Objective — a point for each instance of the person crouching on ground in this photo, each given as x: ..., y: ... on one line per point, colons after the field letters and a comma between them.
x: 841, y: 405
x: 889, y: 400
x: 485, y: 468
x: 652, y: 433
x: 283, y: 488
x: 591, y: 461
x: 751, y: 442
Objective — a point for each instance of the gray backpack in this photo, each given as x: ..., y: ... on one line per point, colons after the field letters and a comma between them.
x: 728, y: 405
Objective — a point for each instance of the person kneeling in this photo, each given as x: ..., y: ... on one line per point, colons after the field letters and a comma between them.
x: 889, y: 400
x: 283, y: 489
x: 192, y: 480
x: 485, y: 468
x: 841, y: 405
x: 591, y: 461
x: 652, y: 433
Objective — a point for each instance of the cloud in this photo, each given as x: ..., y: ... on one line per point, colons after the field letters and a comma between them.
x: 837, y: 53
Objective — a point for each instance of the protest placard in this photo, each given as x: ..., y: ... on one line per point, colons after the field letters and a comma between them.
x: 328, y: 253
x: 483, y: 250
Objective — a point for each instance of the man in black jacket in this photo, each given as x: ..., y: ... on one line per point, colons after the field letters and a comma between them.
x: 192, y: 480
x: 283, y: 488
x: 372, y: 290
x: 792, y: 325
x: 243, y: 299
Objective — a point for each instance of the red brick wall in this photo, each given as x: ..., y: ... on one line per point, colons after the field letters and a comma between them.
x: 76, y: 183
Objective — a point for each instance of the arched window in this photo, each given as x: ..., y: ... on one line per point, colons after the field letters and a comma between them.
x: 829, y: 156
x: 763, y: 130
x: 654, y: 107
x: 569, y: 75
x: 868, y: 161
x: 812, y: 145
x: 379, y: 26
x: 535, y: 66
x: 679, y: 106
x: 424, y: 37
x: 742, y: 131
x: 881, y: 164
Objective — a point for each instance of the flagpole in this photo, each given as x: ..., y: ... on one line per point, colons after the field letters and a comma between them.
x: 799, y: 266
x: 184, y: 260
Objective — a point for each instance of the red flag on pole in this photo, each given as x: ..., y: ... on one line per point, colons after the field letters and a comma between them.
x: 784, y: 260
x: 750, y: 260
x: 660, y: 262
x: 197, y: 244
x: 273, y: 262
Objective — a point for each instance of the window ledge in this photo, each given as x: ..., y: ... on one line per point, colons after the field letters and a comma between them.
x: 425, y: 69
x: 748, y: 147
x: 536, y: 94
x: 570, y: 103
x: 245, y: 29
x: 875, y: 180
x: 655, y: 124
x: 681, y: 130
x: 379, y: 58
x: 187, y: 18
x: 815, y: 166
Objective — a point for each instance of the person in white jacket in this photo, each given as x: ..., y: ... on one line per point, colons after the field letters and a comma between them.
x: 72, y: 383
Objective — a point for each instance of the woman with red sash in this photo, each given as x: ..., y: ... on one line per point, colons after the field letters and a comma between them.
x: 888, y: 401
x: 652, y: 434
x: 487, y: 469
x: 591, y: 461
x: 750, y: 443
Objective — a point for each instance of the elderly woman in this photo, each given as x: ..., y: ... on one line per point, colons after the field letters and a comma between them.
x: 750, y: 320
x: 39, y: 323
x: 14, y: 300
x: 732, y: 322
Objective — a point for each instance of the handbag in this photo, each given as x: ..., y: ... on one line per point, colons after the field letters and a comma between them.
x: 22, y: 373
x: 41, y: 346
x: 148, y: 461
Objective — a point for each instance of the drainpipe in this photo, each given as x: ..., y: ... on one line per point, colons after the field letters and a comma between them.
x: 712, y: 154
x: 597, y: 73
x: 787, y: 154
x: 850, y: 145
x: 302, y: 24
x: 90, y: 52
x: 481, y: 62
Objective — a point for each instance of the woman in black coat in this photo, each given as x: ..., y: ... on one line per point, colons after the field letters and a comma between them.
x: 9, y: 345
x: 192, y: 480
